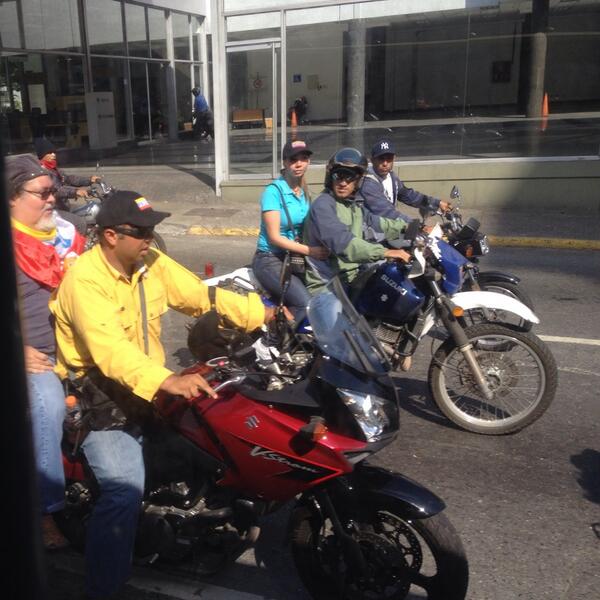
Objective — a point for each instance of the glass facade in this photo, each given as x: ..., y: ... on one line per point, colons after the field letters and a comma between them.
x: 47, y: 65
x: 445, y: 80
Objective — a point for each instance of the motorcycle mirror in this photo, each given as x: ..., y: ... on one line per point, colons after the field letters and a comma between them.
x: 454, y: 193
x: 413, y: 230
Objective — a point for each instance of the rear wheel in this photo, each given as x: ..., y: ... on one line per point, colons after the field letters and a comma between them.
x: 401, y: 555
x: 520, y: 372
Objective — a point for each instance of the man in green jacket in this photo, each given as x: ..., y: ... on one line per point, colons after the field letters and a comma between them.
x: 339, y: 221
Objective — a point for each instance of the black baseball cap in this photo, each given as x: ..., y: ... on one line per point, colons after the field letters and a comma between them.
x: 126, y: 207
x: 21, y: 168
x: 383, y: 146
x: 44, y: 146
x: 295, y: 147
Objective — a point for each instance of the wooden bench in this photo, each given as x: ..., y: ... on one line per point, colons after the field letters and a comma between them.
x: 251, y: 117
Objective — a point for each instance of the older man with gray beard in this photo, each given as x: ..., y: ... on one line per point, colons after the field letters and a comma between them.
x: 43, y: 244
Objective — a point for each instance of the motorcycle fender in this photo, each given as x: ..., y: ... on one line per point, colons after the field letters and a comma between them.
x: 486, y: 276
x: 417, y: 501
x: 494, y: 300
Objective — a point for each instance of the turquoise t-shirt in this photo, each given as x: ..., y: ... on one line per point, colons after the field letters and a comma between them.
x: 297, y: 207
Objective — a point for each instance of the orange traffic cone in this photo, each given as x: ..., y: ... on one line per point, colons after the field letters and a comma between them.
x: 545, y: 112
x: 293, y: 118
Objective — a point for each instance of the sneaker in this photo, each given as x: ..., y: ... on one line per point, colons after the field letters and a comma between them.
x: 53, y: 538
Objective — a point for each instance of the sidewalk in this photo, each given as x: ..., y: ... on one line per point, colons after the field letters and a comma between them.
x: 185, y: 190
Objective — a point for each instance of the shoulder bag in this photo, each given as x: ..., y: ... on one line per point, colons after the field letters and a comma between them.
x: 297, y: 262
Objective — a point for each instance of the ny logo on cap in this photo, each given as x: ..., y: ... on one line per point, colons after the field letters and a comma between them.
x: 384, y: 146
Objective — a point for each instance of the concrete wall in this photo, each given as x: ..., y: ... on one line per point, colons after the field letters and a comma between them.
x: 564, y: 186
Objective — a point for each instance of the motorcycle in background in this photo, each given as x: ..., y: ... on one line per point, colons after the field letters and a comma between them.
x: 88, y: 210
x: 218, y: 465
x: 473, y: 244
x: 486, y: 378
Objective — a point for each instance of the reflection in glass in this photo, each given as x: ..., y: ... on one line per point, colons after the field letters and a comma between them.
x: 51, y: 25
x: 250, y: 89
x: 159, y: 110
x: 109, y: 75
x: 137, y: 38
x: 181, y: 36
x: 253, y: 27
x: 42, y: 95
x: 158, y: 33
x: 196, y: 33
x: 183, y: 84
x: 9, y: 25
x: 139, y: 99
x: 105, y: 27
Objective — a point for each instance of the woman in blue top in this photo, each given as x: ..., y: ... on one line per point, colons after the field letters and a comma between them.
x: 276, y: 236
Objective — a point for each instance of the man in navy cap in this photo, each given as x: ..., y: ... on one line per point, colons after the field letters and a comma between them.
x: 382, y: 189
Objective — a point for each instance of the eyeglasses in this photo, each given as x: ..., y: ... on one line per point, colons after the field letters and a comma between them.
x: 345, y: 175
x: 139, y: 233
x: 44, y: 195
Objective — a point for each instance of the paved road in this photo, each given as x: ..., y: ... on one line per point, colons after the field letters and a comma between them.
x: 527, y: 506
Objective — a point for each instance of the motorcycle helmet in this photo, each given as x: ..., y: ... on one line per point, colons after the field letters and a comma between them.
x: 346, y: 158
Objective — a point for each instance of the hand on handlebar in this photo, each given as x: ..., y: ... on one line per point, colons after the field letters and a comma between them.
x: 445, y: 206
x: 82, y: 192
x: 95, y: 179
x: 189, y: 386
x: 402, y: 255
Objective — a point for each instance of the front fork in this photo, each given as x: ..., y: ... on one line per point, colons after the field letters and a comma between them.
x: 444, y: 308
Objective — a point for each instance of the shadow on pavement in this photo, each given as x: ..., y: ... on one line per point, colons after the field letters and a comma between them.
x: 415, y: 399
x: 588, y: 463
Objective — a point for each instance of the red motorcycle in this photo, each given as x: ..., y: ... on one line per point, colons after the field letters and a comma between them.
x: 298, y: 430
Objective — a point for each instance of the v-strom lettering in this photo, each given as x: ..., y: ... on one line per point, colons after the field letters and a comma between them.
x: 270, y: 455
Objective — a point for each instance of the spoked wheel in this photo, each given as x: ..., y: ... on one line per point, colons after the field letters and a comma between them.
x: 520, y: 372
x: 401, y: 556
x: 494, y: 315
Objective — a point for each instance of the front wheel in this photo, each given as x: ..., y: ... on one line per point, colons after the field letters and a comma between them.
x: 520, y: 372
x: 489, y: 315
x: 401, y: 555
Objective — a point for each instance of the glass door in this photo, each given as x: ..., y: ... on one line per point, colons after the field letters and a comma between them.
x: 253, y: 91
x: 149, y: 99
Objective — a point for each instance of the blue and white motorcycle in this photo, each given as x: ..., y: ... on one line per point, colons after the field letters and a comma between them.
x: 488, y: 378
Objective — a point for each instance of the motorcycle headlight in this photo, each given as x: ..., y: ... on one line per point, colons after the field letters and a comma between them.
x: 484, y: 245
x: 369, y: 412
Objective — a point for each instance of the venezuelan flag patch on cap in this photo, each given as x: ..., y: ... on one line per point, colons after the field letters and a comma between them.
x: 142, y: 203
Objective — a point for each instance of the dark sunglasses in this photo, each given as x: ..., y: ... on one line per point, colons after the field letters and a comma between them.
x: 43, y: 195
x: 139, y: 233
x: 345, y: 175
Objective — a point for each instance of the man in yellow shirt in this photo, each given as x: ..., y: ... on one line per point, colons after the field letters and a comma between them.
x: 107, y: 311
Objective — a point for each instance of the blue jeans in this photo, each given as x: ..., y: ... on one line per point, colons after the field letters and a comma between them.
x: 116, y: 459
x: 267, y: 270
x: 47, y: 404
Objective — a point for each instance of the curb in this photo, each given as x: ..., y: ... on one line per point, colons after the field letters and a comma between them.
x: 223, y: 231
x: 495, y: 240
x: 539, y: 242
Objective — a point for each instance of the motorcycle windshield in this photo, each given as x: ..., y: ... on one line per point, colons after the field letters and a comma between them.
x: 342, y: 333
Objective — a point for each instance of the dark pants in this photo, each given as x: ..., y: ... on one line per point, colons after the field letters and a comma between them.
x: 267, y: 270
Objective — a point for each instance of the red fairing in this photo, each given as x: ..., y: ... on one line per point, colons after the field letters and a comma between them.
x: 260, y: 444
